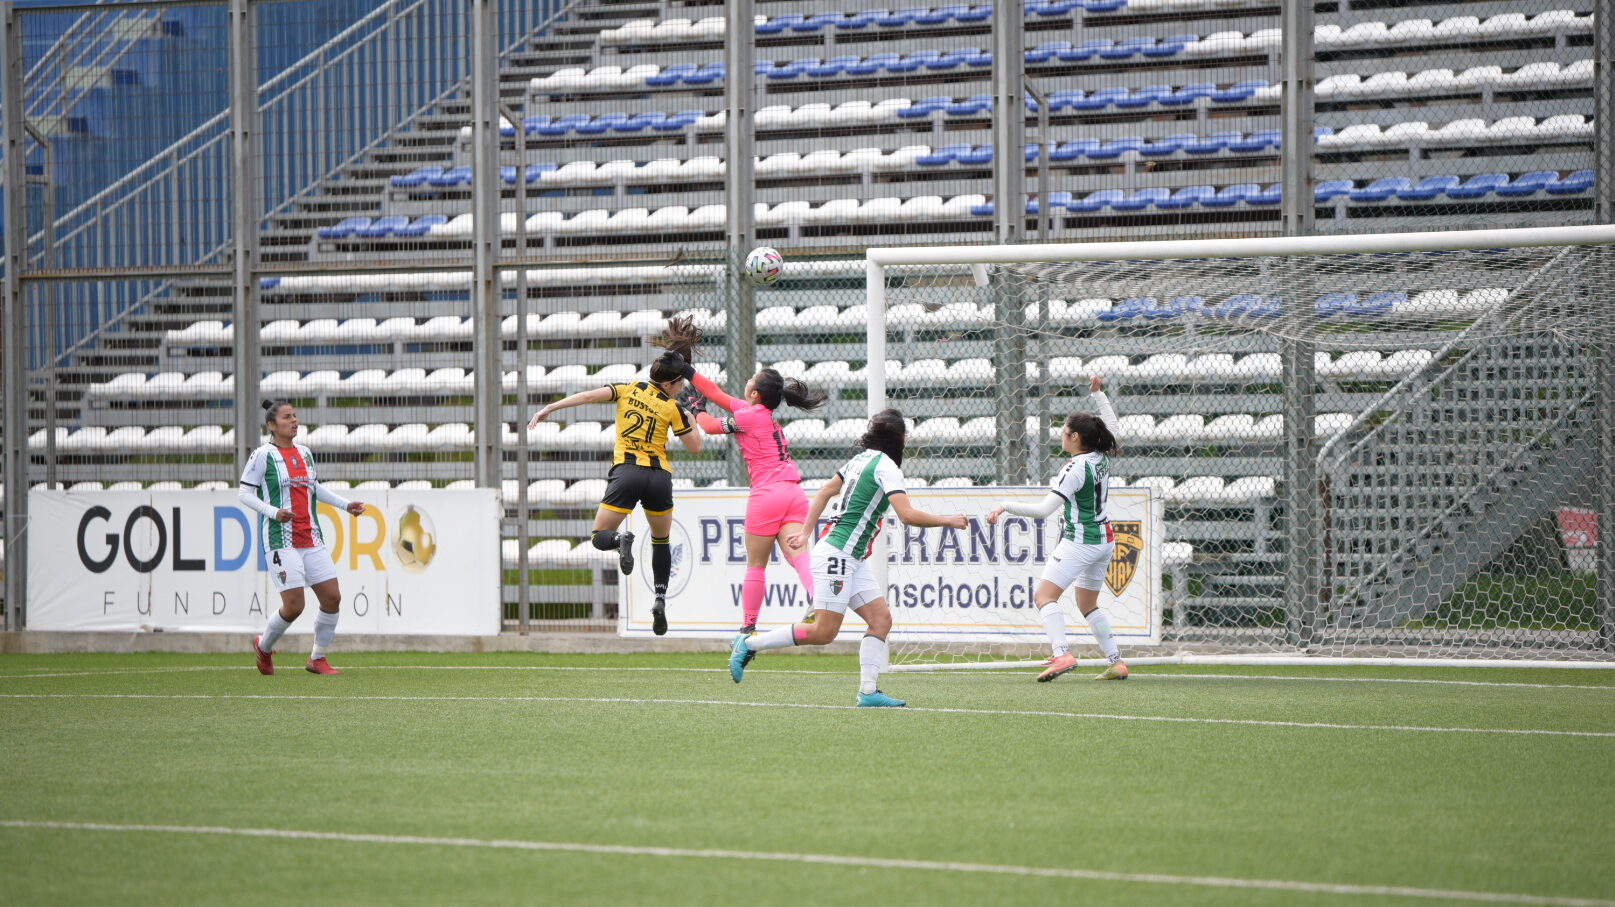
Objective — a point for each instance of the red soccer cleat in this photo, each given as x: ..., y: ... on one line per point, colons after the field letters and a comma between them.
x: 266, y: 660
x: 320, y: 666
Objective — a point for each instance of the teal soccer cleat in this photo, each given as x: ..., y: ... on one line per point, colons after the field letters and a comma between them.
x: 878, y: 700
x: 739, y: 657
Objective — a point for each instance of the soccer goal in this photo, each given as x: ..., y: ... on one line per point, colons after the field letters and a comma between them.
x: 1393, y: 446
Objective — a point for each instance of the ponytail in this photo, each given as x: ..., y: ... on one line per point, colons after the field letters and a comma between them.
x: 773, y: 389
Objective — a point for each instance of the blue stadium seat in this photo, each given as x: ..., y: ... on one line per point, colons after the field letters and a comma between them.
x: 1239, y: 91
x: 1142, y: 199
x: 981, y: 59
x: 817, y: 22
x: 1086, y: 50
x: 1232, y: 195
x: 873, y: 64
x: 947, y: 154
x: 454, y: 176
x: 777, y: 24
x: 1116, y: 147
x: 984, y: 210
x: 1056, y: 200
x: 423, y: 225
x: 1096, y: 201
x: 1272, y: 195
x: 508, y: 174
x: 671, y: 75
x: 1126, y: 47
x: 640, y: 121
x: 1238, y: 306
x: 345, y: 228
x: 834, y: 66
x: 1580, y: 181
x: 1070, y: 151
x: 679, y: 120
x: 563, y: 124
x: 1478, y: 185
x: 1256, y: 141
x: 1102, y: 6
x: 1066, y: 98
x: 1171, y: 144
x: 531, y: 124
x: 979, y: 103
x: 382, y: 226
x: 1213, y: 143
x: 1100, y: 99
x: 1529, y: 183
x: 981, y: 12
x: 1381, y: 189
x: 863, y: 18
x: 1145, y: 96
x: 1188, y: 94
x: 984, y: 155
x: 1377, y: 304
x: 925, y: 106
x: 1171, y: 308
x: 1186, y: 305
x: 1131, y: 307
x: 1428, y: 188
x: 601, y: 123
x: 706, y: 75
x: 1046, y: 51
x: 1328, y: 189
x: 1188, y: 197
x: 794, y: 68
x: 941, y: 14
x: 415, y: 177
x: 1170, y: 46
x: 916, y: 60
x: 268, y: 283
x: 902, y: 17
x: 1331, y: 304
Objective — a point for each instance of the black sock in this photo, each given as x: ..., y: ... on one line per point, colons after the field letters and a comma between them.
x: 661, y: 563
x: 604, y: 539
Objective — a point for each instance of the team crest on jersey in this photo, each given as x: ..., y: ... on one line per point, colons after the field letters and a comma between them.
x: 1124, y: 561
x: 835, y: 586
x: 282, y: 575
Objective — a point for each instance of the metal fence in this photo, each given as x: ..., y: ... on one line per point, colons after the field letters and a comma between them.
x: 420, y: 219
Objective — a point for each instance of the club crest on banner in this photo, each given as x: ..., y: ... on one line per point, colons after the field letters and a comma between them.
x: 1124, y: 561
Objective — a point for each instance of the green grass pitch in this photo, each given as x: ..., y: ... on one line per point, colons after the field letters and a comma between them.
x: 653, y: 779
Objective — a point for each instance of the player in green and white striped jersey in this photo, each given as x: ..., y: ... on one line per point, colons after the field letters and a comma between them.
x: 869, y: 484
x: 280, y: 485
x: 1087, y: 541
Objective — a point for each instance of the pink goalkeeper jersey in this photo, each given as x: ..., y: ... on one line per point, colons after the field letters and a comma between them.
x: 761, y: 440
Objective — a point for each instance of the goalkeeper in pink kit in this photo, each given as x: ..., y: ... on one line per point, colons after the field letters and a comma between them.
x: 777, y: 506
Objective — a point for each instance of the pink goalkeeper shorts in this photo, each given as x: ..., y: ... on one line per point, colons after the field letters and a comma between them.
x: 772, y: 506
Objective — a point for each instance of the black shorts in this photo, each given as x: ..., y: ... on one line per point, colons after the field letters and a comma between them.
x: 628, y: 485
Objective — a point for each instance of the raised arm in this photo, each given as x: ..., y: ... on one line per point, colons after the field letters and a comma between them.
x: 597, y: 395
x: 1043, y: 508
x: 816, y: 509
x: 913, y: 516
x: 710, y: 390
x: 1102, y: 407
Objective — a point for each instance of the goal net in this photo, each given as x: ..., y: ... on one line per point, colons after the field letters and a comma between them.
x: 1392, y: 446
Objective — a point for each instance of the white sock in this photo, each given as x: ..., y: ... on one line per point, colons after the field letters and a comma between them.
x: 324, y: 629
x: 1054, y: 625
x: 777, y: 638
x: 1099, y: 625
x: 871, y: 658
x: 272, y: 633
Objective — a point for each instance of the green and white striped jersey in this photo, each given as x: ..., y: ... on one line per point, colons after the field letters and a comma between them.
x: 282, y: 478
x: 1083, y: 484
x: 868, y: 480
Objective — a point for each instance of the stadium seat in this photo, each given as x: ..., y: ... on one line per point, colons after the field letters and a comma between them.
x: 1577, y: 182
x: 1478, y: 185
x: 1381, y: 189
x: 1528, y: 183
x: 345, y: 228
x: 1097, y: 201
x: 1213, y: 143
x: 1168, y: 145
x: 1188, y: 197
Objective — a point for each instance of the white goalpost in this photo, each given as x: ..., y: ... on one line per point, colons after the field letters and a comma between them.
x: 1366, y: 449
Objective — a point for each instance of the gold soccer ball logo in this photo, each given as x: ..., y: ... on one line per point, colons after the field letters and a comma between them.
x: 416, y: 540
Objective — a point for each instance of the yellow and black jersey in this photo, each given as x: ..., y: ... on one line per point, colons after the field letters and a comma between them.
x: 644, y: 416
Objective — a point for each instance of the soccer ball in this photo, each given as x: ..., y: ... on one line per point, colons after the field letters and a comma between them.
x: 763, y: 265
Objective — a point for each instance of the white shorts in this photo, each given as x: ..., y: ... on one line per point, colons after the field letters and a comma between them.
x: 294, y: 568
x: 840, y: 582
x: 1074, y: 563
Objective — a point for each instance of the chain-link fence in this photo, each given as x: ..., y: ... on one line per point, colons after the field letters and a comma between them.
x: 352, y: 274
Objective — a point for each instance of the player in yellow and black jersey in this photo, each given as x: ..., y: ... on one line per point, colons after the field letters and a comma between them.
x: 640, y: 474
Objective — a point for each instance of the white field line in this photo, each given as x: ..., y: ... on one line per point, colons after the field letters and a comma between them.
x: 109, y: 672
x: 1029, y: 713
x: 1375, y: 891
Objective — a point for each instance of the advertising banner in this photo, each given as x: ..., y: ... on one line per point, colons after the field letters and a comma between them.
x: 969, y: 585
x: 414, y: 562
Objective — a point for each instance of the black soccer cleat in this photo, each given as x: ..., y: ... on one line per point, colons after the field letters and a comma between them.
x: 658, y: 616
x: 625, y: 552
